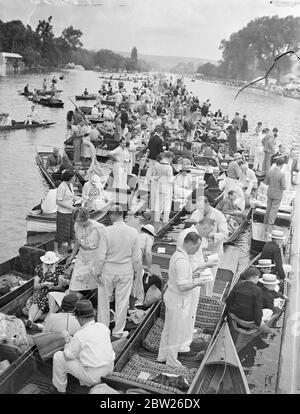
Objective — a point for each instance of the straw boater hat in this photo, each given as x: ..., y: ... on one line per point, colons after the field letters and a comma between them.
x: 149, y: 228
x: 269, y: 279
x: 277, y: 234
x: 49, y: 258
x: 265, y: 263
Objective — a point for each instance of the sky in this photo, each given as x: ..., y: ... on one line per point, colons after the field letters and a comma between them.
x: 187, y: 28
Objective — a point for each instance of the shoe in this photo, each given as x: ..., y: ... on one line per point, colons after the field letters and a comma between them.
x: 189, y: 354
x: 53, y: 390
x: 124, y: 334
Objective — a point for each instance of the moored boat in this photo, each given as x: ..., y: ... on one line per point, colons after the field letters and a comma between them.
x: 50, y: 102
x: 221, y: 371
x: 85, y: 97
x: 22, y: 125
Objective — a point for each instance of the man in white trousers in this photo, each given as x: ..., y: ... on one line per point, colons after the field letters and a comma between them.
x: 202, y: 228
x: 178, y: 299
x: 216, y: 237
x: 119, y: 260
x: 88, y: 355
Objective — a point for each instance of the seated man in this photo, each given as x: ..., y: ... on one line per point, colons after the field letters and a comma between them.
x: 271, y: 295
x: 229, y: 208
x: 88, y: 355
x: 33, y: 117
x: 246, y: 299
x: 272, y: 251
x: 54, y: 159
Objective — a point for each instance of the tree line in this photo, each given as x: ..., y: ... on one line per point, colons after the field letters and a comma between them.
x: 40, y: 48
x: 251, y: 51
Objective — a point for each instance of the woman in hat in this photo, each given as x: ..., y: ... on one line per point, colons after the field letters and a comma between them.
x: 64, y: 320
x: 162, y: 187
x: 93, y: 196
x: 183, y: 183
x: 46, y: 278
x: 146, y: 240
x: 64, y: 215
x: 86, y: 249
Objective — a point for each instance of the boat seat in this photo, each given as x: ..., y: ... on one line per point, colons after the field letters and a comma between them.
x: 243, y: 327
x: 30, y: 258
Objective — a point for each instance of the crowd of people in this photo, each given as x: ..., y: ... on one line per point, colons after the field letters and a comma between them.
x: 157, y: 125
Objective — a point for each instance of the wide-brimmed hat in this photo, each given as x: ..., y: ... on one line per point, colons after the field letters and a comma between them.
x: 265, y: 263
x: 68, y: 303
x: 237, y: 156
x: 269, y: 279
x: 149, y: 228
x: 84, y: 309
x: 277, y: 234
x: 49, y: 258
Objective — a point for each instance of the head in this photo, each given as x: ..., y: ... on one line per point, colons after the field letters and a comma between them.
x: 275, y: 130
x: 116, y: 213
x: 251, y: 274
x: 69, y: 302
x: 205, y: 226
x: 84, y: 312
x: 55, y: 151
x: 245, y: 167
x: 68, y: 175
x: 232, y: 195
x: 122, y: 143
x: 191, y: 243
x: 82, y: 216
x: 244, y: 116
x: 49, y: 259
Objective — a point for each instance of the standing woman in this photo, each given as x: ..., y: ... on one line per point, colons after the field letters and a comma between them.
x: 88, y: 234
x: 120, y: 168
x: 232, y: 130
x: 162, y: 187
x: 64, y: 217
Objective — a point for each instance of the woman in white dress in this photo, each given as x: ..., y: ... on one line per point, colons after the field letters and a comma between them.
x: 86, y: 250
x: 121, y: 166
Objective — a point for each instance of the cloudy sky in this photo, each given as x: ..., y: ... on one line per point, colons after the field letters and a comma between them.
x: 188, y: 28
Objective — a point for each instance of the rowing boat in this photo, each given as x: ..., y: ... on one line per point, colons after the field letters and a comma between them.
x: 51, y: 103
x: 85, y: 97
x: 39, y: 92
x: 21, y: 125
x: 108, y: 103
x: 221, y: 371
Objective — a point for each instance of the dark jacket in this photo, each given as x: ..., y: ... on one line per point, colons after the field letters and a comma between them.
x: 246, y: 302
x: 155, y: 146
x: 272, y: 251
x: 244, y: 127
x: 268, y: 297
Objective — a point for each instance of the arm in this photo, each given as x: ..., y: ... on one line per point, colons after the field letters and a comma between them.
x: 60, y: 198
x: 257, y: 308
x: 182, y: 278
x: 148, y: 253
x: 102, y: 254
x: 267, y: 179
x: 222, y: 229
x: 136, y: 255
x: 283, y: 182
x: 72, y: 349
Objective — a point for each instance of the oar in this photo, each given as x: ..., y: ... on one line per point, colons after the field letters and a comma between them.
x: 77, y: 107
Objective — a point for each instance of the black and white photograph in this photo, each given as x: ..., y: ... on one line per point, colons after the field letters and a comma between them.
x: 149, y: 200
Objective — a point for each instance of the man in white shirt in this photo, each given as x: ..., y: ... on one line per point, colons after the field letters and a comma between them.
x: 119, y: 260
x: 107, y: 114
x: 216, y: 237
x: 202, y: 228
x: 33, y: 117
x: 88, y: 355
x: 95, y: 111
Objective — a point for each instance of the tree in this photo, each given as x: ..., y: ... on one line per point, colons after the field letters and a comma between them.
x: 208, y: 69
x: 45, y: 29
x: 134, y: 54
x: 72, y: 37
x: 31, y: 57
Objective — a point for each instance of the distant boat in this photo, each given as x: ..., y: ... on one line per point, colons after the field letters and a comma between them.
x: 21, y: 125
x: 85, y: 97
x: 78, y: 67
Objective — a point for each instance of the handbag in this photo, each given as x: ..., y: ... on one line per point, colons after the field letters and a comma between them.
x: 48, y: 343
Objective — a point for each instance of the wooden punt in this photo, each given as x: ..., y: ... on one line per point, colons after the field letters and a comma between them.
x: 21, y: 125
x: 85, y: 97
x: 39, y: 91
x: 221, y: 371
x: 51, y: 103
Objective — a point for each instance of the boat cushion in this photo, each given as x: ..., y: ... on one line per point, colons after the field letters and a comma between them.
x: 152, y: 339
x: 137, y: 364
